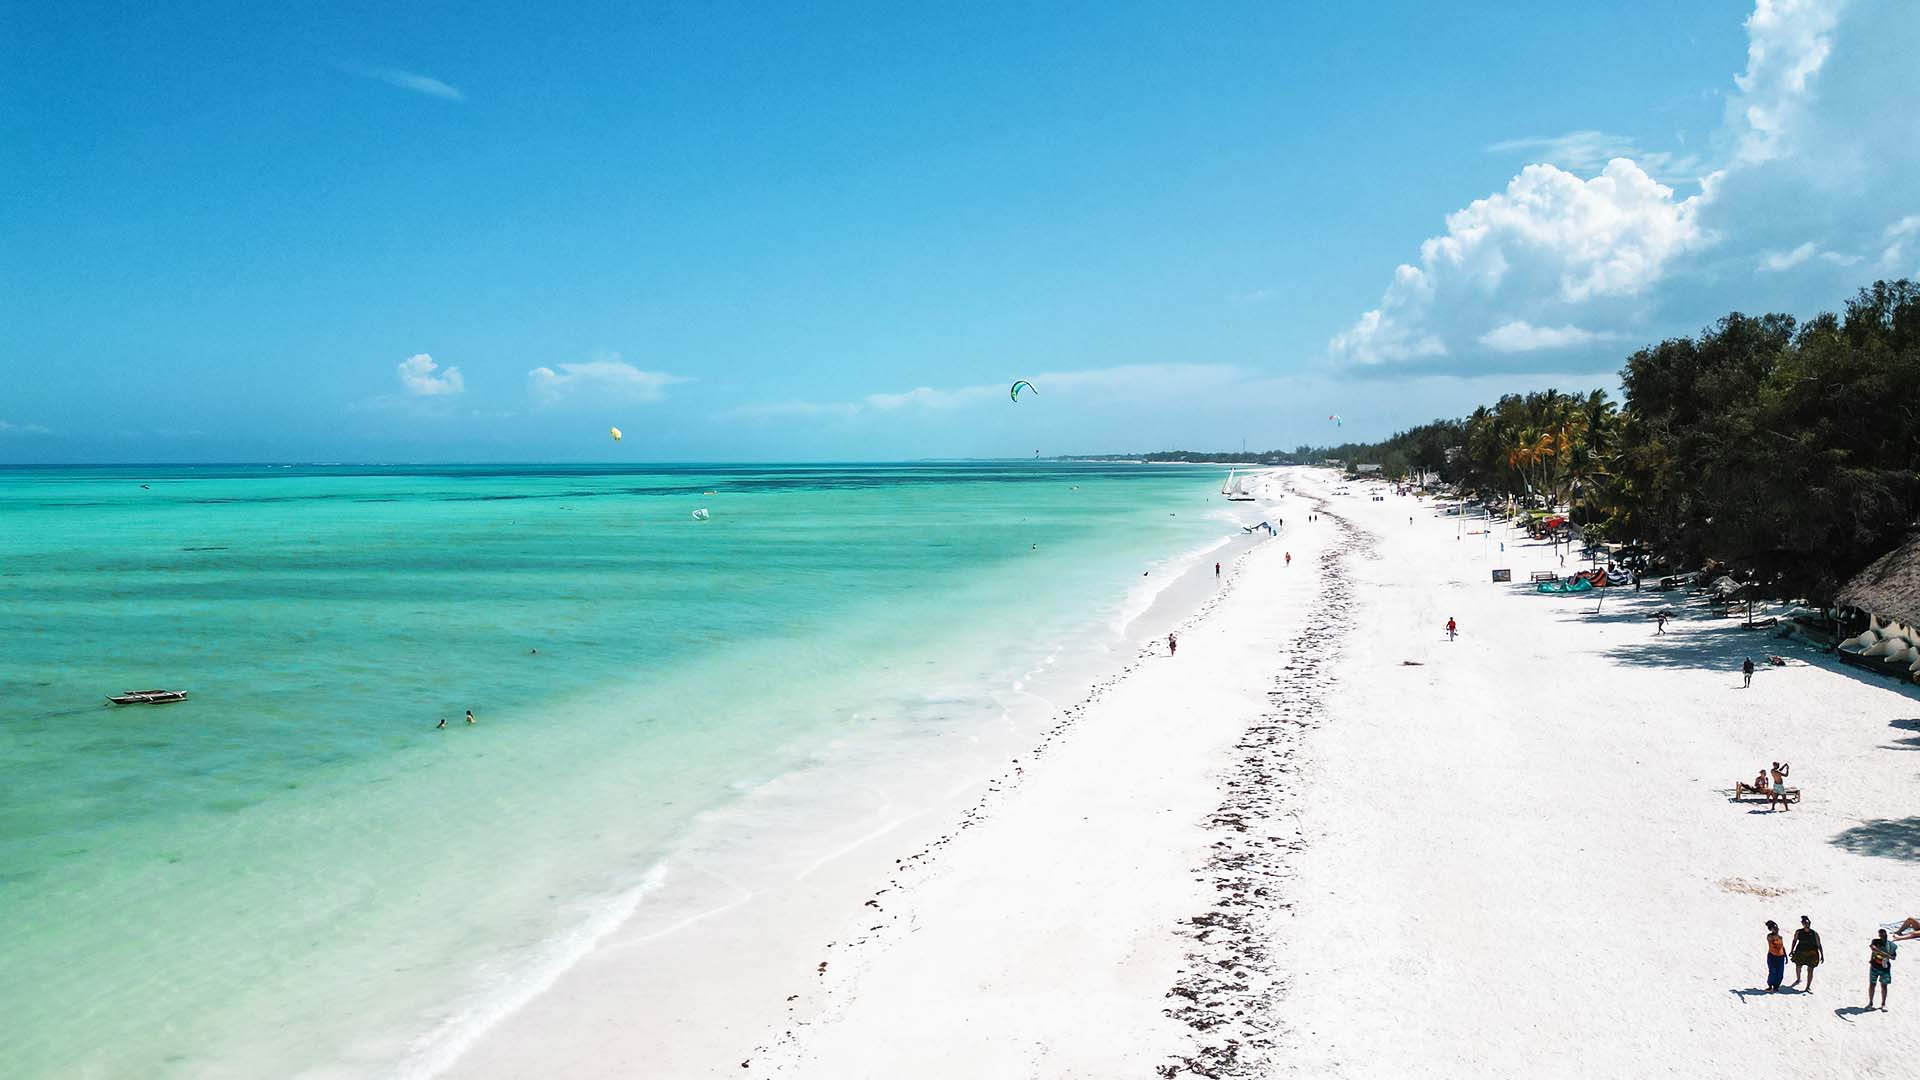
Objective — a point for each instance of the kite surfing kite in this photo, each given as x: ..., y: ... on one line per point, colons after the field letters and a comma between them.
x: 1014, y: 391
x: 1337, y: 422
x: 615, y: 432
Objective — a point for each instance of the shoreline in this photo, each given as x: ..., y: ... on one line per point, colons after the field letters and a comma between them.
x: 678, y: 975
x: 1030, y: 895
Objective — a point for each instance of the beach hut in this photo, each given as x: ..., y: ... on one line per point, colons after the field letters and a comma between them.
x: 1888, y: 593
x: 1888, y: 590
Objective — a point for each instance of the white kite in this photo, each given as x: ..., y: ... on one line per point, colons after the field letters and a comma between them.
x: 615, y: 432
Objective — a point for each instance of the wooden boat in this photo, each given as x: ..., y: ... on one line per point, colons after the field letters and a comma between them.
x: 148, y: 697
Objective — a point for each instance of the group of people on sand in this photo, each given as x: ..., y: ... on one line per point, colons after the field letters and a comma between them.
x: 1808, y: 954
x: 1770, y: 782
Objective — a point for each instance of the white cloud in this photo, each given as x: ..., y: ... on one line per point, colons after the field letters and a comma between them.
x: 1589, y: 151
x: 1773, y: 262
x: 1550, y: 241
x: 1522, y: 336
x: 409, y: 80
x: 1554, y: 249
x: 1776, y: 261
x: 1897, y: 237
x: 609, y: 378
x: 1787, y: 44
x: 7, y: 428
x: 418, y: 379
x: 1123, y: 381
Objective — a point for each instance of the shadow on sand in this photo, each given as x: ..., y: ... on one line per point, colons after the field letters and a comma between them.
x: 1701, y: 640
x: 1849, y: 1012
x: 1761, y: 991
x: 1911, y: 742
x: 1885, y: 837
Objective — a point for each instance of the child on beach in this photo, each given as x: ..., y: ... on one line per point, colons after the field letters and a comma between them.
x: 1806, y: 953
x: 1880, y: 967
x: 1777, y: 958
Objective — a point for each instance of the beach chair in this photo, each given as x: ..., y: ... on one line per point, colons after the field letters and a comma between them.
x: 1545, y: 575
x: 1743, y: 792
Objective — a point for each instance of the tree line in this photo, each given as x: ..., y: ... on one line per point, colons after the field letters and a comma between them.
x: 1786, y: 447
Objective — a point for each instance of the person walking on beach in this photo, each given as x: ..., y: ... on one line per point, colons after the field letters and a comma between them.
x: 1289, y: 558
x: 1880, y: 967
x: 1173, y: 644
x: 1807, y: 954
x: 1216, y: 571
x: 1746, y: 669
x: 1660, y: 623
x: 1452, y: 628
x: 1776, y: 957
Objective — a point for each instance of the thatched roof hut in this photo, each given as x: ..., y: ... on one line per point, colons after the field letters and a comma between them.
x: 1889, y: 587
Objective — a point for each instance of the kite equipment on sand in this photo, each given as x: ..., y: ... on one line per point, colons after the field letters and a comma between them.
x: 615, y: 432
x: 1014, y: 391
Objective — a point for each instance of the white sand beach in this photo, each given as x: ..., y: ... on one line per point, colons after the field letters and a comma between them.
x: 1324, y: 840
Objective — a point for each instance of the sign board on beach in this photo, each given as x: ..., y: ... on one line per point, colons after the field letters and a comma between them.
x: 1503, y: 575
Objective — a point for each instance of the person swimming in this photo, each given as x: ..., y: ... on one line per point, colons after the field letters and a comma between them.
x: 442, y: 725
x: 469, y: 716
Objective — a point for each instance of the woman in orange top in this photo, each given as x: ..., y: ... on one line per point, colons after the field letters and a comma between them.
x: 1776, y: 957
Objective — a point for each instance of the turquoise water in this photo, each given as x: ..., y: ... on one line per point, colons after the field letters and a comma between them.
x: 288, y: 872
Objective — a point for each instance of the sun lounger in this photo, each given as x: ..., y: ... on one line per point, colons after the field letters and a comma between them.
x: 1545, y: 575
x: 1742, y: 791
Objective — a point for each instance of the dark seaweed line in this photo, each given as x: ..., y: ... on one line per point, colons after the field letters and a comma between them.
x: 1230, y: 989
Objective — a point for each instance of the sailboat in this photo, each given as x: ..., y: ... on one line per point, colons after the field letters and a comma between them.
x: 1235, y: 489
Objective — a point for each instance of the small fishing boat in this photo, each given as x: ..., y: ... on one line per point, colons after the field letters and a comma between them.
x: 148, y: 697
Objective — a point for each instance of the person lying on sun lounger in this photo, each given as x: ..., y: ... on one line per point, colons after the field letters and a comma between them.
x: 1908, y: 927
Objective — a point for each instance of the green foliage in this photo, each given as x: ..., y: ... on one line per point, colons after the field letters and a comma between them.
x: 1790, y: 449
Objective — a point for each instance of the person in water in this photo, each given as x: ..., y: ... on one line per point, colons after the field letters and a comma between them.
x: 1807, y: 954
x: 1776, y: 957
x: 1880, y: 967
x: 469, y: 716
x: 442, y: 725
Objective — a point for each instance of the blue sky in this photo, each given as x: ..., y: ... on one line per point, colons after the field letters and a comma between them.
x: 281, y: 232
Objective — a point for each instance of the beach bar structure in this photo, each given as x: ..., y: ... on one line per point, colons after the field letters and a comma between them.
x: 1888, y: 593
